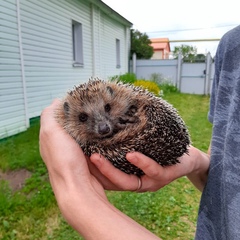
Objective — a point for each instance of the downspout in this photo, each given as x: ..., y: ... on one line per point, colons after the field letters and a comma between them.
x: 127, y: 60
x: 22, y: 64
x: 99, y: 40
x: 93, y: 42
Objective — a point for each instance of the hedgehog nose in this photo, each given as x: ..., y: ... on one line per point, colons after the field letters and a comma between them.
x: 103, y: 128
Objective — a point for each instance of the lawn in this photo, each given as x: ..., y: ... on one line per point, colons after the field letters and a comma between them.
x: 31, y: 213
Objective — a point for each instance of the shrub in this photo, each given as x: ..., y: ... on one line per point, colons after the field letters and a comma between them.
x: 149, y: 85
x: 168, y: 88
x: 164, y: 83
x: 125, y: 78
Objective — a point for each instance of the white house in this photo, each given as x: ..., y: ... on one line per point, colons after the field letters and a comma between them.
x: 48, y: 46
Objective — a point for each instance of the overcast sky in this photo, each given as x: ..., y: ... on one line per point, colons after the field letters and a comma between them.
x: 181, y: 19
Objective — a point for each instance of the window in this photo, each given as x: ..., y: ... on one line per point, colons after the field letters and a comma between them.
x: 118, y: 53
x: 77, y: 44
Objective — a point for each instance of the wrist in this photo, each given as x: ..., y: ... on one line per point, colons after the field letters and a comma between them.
x: 200, y: 165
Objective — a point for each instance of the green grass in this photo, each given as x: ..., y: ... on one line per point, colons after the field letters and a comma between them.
x: 21, y: 151
x: 32, y: 213
x: 194, y: 111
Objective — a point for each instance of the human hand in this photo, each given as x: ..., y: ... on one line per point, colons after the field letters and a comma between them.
x: 66, y: 163
x: 194, y: 164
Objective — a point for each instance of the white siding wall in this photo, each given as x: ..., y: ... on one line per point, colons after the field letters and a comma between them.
x: 110, y: 31
x: 12, y: 115
x: 96, y: 44
x: 47, y: 44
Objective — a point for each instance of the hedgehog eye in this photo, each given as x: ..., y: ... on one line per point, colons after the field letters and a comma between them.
x: 107, y: 107
x: 83, y: 117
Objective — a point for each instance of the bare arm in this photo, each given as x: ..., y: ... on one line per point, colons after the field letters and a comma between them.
x: 200, y: 173
x: 80, y: 196
x: 198, y: 176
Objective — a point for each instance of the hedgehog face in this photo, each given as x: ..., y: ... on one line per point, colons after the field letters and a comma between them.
x: 91, y: 116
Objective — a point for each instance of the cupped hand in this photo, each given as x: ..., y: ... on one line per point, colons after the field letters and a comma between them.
x: 66, y: 163
x: 155, y: 176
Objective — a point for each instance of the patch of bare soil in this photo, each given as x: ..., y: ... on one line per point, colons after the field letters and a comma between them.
x: 15, y: 178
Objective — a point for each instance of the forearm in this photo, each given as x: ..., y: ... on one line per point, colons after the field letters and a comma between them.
x: 93, y: 216
x: 201, y: 162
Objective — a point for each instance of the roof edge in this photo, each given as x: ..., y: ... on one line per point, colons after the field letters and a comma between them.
x: 109, y: 11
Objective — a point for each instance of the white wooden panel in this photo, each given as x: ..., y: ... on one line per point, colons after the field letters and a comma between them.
x: 10, y: 129
x: 9, y: 97
x: 47, y: 44
x: 8, y: 36
x: 12, y: 111
x: 5, y: 42
x: 110, y: 31
x: 13, y: 121
x: 5, y: 67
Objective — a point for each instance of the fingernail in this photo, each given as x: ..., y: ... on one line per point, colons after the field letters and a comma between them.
x: 98, y: 162
x: 130, y: 156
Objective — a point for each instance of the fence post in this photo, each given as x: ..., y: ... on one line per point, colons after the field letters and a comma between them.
x: 208, y: 73
x: 134, y: 63
x: 179, y: 72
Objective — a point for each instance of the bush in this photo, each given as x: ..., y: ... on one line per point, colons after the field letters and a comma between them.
x: 125, y: 78
x: 158, y: 84
x: 149, y: 85
x: 164, y: 83
x: 168, y: 88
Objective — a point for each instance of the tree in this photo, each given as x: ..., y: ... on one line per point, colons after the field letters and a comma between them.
x: 140, y: 44
x: 188, y: 52
x: 200, y: 58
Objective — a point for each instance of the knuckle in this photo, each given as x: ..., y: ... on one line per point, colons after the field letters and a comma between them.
x: 153, y: 172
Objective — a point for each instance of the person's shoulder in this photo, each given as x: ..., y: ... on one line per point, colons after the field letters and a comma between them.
x: 231, y: 37
x: 228, y: 42
x: 233, y: 32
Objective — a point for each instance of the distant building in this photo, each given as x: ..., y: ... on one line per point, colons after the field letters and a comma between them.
x: 161, y: 48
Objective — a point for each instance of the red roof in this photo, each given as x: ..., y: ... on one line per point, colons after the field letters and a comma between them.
x: 160, y: 43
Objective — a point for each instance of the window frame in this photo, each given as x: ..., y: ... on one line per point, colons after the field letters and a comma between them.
x: 118, y: 56
x: 77, y: 44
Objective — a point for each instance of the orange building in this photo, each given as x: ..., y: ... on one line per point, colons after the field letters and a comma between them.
x: 161, y: 48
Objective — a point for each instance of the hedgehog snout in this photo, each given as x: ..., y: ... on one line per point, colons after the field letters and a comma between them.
x: 103, y: 128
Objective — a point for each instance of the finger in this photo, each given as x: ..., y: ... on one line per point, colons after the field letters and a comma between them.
x: 150, y: 167
x: 156, y: 176
x: 47, y: 118
x: 120, y: 179
x: 106, y: 183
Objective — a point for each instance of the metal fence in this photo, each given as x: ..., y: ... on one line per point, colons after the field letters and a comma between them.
x: 194, y: 78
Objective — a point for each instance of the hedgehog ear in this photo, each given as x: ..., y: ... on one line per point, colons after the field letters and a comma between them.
x: 110, y: 90
x: 145, y: 107
x: 131, y: 110
x: 66, y: 108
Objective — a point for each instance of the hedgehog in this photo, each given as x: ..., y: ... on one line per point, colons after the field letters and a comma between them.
x: 113, y: 118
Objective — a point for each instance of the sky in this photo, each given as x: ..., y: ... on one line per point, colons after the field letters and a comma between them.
x: 181, y: 19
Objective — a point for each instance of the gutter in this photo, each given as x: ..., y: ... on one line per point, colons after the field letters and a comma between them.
x: 93, y: 41
x: 111, y: 12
